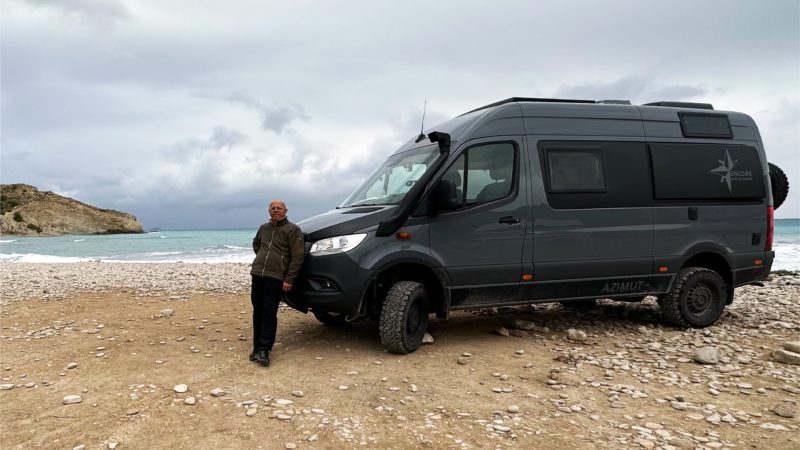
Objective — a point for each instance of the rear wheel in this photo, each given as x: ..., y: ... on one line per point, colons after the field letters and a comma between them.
x: 330, y: 319
x: 780, y: 185
x: 404, y: 317
x: 696, y: 299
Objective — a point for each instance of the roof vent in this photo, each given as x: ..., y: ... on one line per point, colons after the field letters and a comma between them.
x: 614, y: 102
x: 682, y: 105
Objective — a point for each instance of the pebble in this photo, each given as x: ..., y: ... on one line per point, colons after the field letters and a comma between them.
x: 72, y: 399
x: 785, y: 409
x: 427, y: 339
x: 502, y: 331
x: 786, y: 357
x: 773, y: 427
x: 189, y: 401
x: 343, y: 387
x: 513, y: 409
x: 576, y: 335
x: 251, y: 412
x: 72, y: 365
x: 166, y: 312
x: 218, y: 392
x: 462, y: 360
x: 180, y: 388
x: 6, y: 387
x: 793, y: 346
x: 298, y: 393
x: 706, y: 355
x: 290, y: 445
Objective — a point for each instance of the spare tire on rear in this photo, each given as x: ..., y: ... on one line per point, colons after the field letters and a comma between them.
x: 780, y: 185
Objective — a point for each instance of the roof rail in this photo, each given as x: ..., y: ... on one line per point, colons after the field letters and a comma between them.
x: 614, y: 102
x: 682, y: 105
x: 529, y: 99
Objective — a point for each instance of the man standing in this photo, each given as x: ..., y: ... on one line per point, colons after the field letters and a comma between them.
x: 279, y: 249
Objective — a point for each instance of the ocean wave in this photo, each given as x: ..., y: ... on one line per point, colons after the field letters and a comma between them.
x: 78, y: 240
x: 37, y: 258
x: 7, y: 241
x: 222, y: 248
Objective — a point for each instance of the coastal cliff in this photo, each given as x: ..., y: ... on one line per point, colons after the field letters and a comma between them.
x: 24, y: 210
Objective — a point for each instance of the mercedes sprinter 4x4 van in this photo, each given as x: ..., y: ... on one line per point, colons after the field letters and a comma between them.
x: 539, y: 200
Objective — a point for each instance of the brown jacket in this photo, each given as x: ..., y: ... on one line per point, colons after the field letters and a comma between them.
x: 279, y: 249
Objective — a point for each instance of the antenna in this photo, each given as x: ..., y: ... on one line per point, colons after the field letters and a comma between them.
x: 422, y: 136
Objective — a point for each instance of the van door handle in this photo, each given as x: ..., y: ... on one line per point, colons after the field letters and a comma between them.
x: 509, y: 220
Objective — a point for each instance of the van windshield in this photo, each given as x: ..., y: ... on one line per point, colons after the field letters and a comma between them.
x: 393, y: 179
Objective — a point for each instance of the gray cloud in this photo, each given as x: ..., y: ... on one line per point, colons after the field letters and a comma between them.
x: 273, y: 118
x: 101, y: 10
x: 637, y: 88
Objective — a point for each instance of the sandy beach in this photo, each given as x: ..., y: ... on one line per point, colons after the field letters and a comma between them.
x: 101, y: 355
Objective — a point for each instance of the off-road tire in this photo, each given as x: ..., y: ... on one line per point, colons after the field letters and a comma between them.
x: 330, y: 319
x: 579, y: 305
x: 404, y: 317
x: 780, y: 185
x: 697, y: 298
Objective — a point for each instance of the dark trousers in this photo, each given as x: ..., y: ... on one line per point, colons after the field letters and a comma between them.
x: 265, y: 294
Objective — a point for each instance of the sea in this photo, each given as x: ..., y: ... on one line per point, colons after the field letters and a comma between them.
x: 221, y: 246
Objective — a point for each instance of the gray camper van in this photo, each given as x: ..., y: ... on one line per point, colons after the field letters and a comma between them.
x: 541, y: 200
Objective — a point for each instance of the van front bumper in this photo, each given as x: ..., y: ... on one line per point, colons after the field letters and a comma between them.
x: 332, y: 283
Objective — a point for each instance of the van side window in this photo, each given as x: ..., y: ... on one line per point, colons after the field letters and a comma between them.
x: 596, y: 174
x: 575, y: 170
x: 482, y: 174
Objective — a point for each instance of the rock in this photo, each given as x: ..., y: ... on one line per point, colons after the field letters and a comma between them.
x: 113, y: 445
x: 132, y: 412
x: 427, y: 339
x: 343, y: 387
x: 251, y: 412
x: 79, y: 447
x: 785, y: 409
x: 501, y: 428
x: 313, y: 438
x: 166, y: 312
x: 290, y: 445
x: 681, y: 443
x: 576, y: 335
x: 6, y: 387
x: 189, y: 401
x: 513, y: 409
x: 218, y: 392
x: 523, y: 325
x: 298, y: 393
x: 502, y: 331
x: 793, y: 346
x: 72, y: 365
x: 786, y: 357
x: 714, y: 418
x: 72, y: 399
x: 773, y: 427
x: 180, y: 388
x: 462, y: 360
x: 706, y: 355
x: 645, y: 443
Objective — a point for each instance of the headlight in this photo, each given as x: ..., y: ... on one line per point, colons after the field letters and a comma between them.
x: 337, y: 244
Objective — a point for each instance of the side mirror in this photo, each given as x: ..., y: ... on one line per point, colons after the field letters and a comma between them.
x: 444, y: 197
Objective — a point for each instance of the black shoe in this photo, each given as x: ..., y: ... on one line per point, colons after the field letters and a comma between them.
x: 262, y: 357
x: 252, y: 355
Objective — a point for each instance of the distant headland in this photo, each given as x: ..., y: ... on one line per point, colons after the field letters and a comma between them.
x: 27, y: 211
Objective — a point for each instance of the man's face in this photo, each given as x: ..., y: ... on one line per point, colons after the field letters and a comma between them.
x: 277, y: 210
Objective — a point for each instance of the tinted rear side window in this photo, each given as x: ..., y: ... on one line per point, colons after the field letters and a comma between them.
x: 596, y: 174
x: 705, y: 125
x: 706, y: 172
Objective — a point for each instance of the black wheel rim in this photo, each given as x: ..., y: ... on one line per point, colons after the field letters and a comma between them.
x: 414, y: 318
x: 699, y: 300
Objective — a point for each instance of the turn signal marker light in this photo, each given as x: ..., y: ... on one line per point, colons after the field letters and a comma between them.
x: 527, y: 277
x: 759, y: 262
x: 663, y: 269
x: 403, y: 235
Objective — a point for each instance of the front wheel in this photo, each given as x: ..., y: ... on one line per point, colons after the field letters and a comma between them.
x: 404, y: 317
x: 696, y: 299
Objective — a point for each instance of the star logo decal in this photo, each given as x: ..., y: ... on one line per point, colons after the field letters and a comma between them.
x: 724, y: 170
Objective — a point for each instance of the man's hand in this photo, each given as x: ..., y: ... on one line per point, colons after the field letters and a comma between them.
x: 287, y: 286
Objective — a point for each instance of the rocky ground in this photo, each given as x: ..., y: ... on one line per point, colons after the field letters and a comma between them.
x: 99, y: 355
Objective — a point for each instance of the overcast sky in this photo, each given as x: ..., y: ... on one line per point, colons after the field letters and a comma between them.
x: 192, y: 114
